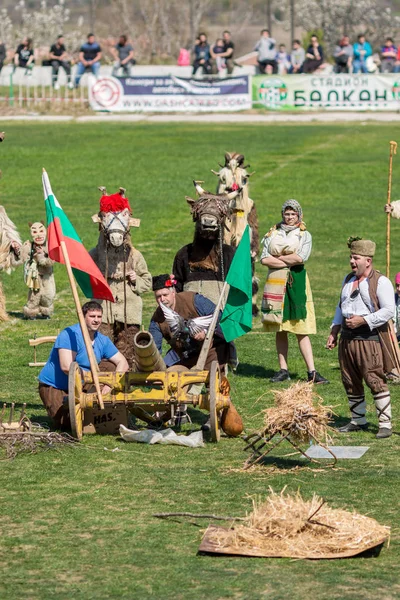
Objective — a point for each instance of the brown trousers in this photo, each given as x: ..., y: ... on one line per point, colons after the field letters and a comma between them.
x: 53, y: 400
x: 362, y: 360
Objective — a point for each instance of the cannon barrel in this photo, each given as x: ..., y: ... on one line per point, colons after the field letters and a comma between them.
x: 147, y: 356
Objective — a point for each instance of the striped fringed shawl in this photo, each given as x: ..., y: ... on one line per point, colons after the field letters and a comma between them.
x: 273, y: 296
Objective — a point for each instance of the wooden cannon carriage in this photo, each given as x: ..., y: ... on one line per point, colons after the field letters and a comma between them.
x: 155, y: 389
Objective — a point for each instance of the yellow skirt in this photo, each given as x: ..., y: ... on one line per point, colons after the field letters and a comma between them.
x: 305, y: 326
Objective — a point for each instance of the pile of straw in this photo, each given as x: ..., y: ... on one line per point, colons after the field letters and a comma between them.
x: 300, y: 412
x: 285, y: 525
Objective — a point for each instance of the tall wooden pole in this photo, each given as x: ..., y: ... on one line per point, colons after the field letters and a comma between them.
x: 392, y: 151
x: 88, y: 343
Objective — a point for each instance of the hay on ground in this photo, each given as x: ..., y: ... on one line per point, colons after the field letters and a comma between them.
x: 285, y: 525
x: 299, y: 411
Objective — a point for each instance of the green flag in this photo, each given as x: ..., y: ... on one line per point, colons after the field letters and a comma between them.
x: 237, y: 318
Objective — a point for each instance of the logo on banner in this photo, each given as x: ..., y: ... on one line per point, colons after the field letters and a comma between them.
x: 272, y: 92
x: 396, y: 90
x: 107, y: 91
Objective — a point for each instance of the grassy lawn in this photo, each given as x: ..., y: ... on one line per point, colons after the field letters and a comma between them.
x: 77, y: 523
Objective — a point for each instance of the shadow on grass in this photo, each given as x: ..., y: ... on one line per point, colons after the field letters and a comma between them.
x: 284, y: 463
x: 42, y: 420
x: 17, y: 315
x: 260, y: 372
x: 20, y: 315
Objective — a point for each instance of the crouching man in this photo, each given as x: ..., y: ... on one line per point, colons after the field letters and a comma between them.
x: 177, y: 321
x: 70, y: 347
x: 362, y: 316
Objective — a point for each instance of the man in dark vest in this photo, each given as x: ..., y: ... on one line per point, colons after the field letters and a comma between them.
x: 185, y: 335
x: 366, y: 352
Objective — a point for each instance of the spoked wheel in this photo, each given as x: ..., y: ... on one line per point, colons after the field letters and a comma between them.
x: 214, y: 385
x: 74, y: 397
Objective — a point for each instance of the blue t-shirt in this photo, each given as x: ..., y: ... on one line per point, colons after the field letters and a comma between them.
x: 71, y: 338
x: 90, y: 51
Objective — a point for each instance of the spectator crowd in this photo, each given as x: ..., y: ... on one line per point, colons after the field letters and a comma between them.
x: 273, y: 58
x: 212, y: 59
x: 87, y: 60
x: 346, y: 58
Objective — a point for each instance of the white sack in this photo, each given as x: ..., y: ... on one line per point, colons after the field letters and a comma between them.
x: 166, y: 436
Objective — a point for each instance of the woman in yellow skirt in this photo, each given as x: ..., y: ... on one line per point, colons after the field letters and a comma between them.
x: 287, y: 305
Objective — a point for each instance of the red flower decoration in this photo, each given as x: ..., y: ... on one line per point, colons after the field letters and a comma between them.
x: 170, y: 283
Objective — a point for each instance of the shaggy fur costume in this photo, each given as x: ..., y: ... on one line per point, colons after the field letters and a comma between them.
x: 38, y: 274
x: 234, y: 175
x: 202, y: 266
x: 110, y: 261
x: 9, y: 259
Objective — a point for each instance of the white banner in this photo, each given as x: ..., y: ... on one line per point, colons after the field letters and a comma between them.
x: 330, y: 92
x: 170, y: 94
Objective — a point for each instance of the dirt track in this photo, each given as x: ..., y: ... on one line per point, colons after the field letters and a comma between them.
x: 323, y: 117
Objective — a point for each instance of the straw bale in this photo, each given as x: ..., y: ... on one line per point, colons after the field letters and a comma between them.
x: 300, y: 411
x: 286, y: 525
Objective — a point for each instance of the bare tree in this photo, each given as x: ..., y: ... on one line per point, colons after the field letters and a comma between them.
x: 346, y: 17
x: 197, y: 9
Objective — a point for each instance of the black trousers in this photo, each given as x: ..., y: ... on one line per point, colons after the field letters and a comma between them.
x: 206, y: 66
x: 55, y: 66
x: 263, y: 64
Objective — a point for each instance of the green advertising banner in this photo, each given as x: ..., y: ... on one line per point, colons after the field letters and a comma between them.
x: 329, y: 92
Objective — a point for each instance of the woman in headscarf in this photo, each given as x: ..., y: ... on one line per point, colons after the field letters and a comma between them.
x: 287, y: 305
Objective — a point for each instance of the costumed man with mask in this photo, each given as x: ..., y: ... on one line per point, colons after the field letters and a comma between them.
x: 182, y: 319
x: 38, y: 274
x: 365, y: 309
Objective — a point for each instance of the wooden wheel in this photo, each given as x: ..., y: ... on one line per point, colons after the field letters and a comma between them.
x: 74, y: 400
x: 214, y: 384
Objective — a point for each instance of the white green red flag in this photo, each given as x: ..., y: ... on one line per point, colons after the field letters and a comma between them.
x: 59, y: 228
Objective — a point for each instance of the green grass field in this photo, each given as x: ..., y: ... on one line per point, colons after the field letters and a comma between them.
x: 76, y: 523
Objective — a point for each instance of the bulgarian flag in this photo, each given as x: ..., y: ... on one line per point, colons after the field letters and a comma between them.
x: 59, y: 229
x: 237, y: 318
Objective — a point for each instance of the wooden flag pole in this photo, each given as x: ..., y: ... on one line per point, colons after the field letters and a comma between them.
x: 88, y: 343
x: 395, y: 347
x: 392, y: 151
x: 201, y: 361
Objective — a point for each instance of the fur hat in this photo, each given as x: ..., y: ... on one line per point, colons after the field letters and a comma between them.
x: 163, y: 281
x: 361, y: 247
x: 114, y: 203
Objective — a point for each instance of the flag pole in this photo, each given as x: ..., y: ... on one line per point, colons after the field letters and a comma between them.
x: 88, y: 344
x: 201, y: 361
x: 393, y: 150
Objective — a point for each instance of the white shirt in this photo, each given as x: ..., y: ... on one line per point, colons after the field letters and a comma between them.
x: 361, y: 305
x: 293, y: 242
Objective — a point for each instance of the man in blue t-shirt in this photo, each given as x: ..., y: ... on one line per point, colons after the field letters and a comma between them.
x: 89, y: 58
x: 70, y: 347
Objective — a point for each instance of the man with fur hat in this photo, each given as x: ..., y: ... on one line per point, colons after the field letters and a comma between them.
x: 365, y: 308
